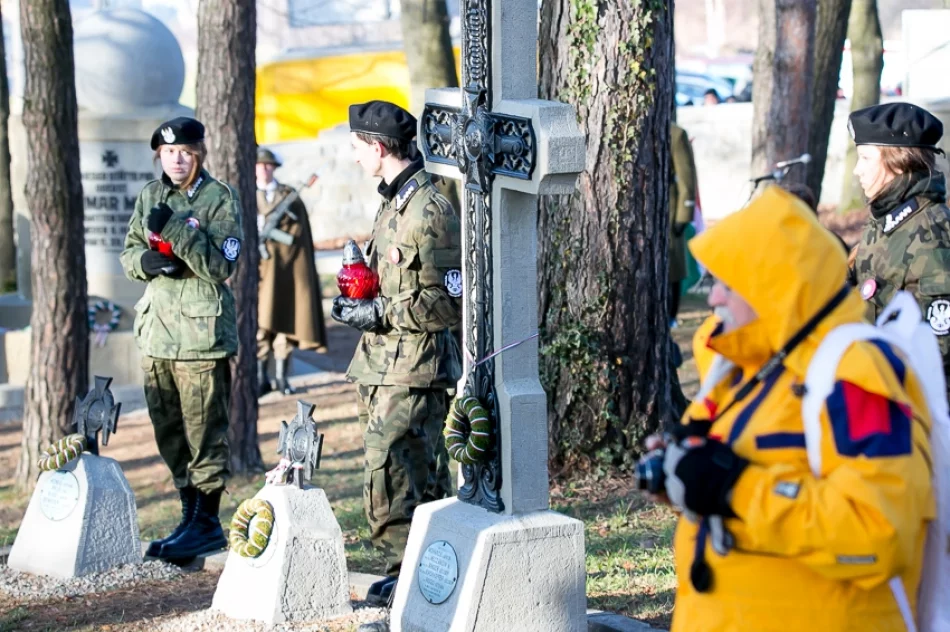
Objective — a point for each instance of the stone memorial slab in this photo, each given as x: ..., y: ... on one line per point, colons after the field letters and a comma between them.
x: 82, y: 517
x: 80, y: 520
x: 520, y: 566
x: 301, y: 573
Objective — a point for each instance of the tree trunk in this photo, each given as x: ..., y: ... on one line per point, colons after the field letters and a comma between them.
x: 782, y: 83
x: 867, y: 59
x: 225, y: 97
x: 603, y: 250
x: 7, y: 249
x: 59, y: 341
x: 428, y: 46
x: 830, y: 31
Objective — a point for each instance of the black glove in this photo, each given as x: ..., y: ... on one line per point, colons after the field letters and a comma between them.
x: 155, y: 263
x: 365, y: 314
x: 700, y: 474
x: 158, y: 217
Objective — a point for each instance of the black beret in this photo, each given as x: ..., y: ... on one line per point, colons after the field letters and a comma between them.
x: 382, y: 119
x: 895, y: 124
x: 178, y: 131
x: 267, y: 157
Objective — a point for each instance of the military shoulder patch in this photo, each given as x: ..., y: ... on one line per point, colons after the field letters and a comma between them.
x: 453, y: 283
x: 938, y: 315
x: 896, y: 217
x: 231, y: 248
x: 405, y: 193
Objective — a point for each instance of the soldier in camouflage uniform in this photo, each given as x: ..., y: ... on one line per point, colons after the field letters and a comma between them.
x: 906, y: 243
x: 407, y: 358
x: 185, y: 326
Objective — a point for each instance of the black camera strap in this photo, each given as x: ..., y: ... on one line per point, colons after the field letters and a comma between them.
x: 701, y: 576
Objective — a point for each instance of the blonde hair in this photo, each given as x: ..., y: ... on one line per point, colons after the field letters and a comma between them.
x: 199, y: 151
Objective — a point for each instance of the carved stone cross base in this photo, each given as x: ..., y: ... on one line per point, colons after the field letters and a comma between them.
x: 468, y: 569
x: 301, y: 575
x: 81, y: 519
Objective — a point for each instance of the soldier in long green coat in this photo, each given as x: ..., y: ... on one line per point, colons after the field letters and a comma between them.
x: 906, y: 243
x: 682, y: 206
x: 407, y: 357
x: 184, y: 240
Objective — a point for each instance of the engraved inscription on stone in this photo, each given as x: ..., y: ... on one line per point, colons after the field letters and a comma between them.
x: 438, y: 572
x: 59, y: 495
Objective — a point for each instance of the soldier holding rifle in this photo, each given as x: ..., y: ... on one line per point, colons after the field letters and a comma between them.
x: 289, y: 311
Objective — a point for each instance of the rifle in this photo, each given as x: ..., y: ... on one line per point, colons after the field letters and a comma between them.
x: 270, y: 230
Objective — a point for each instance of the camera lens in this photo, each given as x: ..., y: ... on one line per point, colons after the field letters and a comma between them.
x: 649, y: 473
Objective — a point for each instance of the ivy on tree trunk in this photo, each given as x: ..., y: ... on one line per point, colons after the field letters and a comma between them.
x: 603, y: 257
x: 59, y: 330
x: 227, y: 38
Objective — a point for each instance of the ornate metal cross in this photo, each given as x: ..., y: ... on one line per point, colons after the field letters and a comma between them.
x: 96, y: 412
x: 507, y: 147
x: 300, y: 444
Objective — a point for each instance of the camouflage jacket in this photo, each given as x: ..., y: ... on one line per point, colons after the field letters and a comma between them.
x: 416, y: 251
x: 190, y: 317
x: 908, y: 248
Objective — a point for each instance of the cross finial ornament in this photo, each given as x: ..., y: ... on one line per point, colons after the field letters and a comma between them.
x: 507, y: 146
x: 96, y: 412
x: 300, y: 444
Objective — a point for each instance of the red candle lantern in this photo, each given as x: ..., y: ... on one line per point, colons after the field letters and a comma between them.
x: 356, y: 279
x: 155, y: 242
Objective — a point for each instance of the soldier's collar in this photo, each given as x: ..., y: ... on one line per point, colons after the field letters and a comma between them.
x: 402, y: 187
x: 898, y: 215
x: 192, y: 191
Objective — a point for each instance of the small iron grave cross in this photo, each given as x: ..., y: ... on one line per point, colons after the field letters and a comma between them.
x: 507, y: 146
x: 300, y: 444
x: 97, y: 411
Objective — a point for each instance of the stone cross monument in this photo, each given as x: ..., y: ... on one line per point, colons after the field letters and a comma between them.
x: 496, y: 555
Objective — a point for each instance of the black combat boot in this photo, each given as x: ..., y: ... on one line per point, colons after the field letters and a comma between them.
x: 282, y: 384
x: 263, y: 381
x: 381, y: 593
x: 202, y: 535
x: 189, y: 502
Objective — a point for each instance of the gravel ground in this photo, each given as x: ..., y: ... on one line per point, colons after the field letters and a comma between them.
x: 26, y: 587
x: 212, y: 621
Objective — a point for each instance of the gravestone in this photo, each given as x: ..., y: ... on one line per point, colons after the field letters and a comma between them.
x: 301, y: 574
x: 129, y: 76
x: 82, y: 517
x: 496, y: 558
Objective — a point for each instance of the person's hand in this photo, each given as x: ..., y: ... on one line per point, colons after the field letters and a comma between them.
x: 700, y: 475
x: 365, y: 314
x: 656, y: 441
x: 155, y: 263
x: 158, y: 217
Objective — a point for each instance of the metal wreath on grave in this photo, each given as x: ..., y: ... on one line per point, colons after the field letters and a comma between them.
x: 482, y: 144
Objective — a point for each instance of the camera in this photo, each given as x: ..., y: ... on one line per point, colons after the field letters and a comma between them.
x: 649, y: 474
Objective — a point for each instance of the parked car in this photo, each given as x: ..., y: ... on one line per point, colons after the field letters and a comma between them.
x: 691, y: 86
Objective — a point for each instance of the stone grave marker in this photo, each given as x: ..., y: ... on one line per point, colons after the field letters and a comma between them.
x: 82, y: 516
x: 495, y: 557
x: 301, y: 573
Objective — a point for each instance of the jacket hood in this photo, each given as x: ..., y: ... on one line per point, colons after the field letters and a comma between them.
x: 781, y: 261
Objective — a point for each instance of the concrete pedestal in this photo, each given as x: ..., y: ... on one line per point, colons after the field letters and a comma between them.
x: 80, y: 520
x: 522, y: 572
x: 301, y: 575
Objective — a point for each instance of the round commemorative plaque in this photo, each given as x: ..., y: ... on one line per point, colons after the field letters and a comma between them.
x: 438, y: 572
x: 59, y: 495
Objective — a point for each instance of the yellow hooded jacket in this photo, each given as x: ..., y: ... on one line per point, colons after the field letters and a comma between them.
x: 812, y: 554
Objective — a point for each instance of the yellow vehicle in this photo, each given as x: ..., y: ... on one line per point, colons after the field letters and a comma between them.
x: 302, y: 94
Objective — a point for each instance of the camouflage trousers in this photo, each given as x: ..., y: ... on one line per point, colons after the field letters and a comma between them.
x: 188, y: 404
x: 406, y: 461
